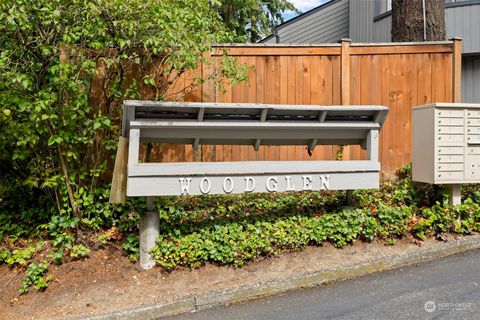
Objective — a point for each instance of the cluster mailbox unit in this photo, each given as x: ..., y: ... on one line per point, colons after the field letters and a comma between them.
x: 245, y: 124
x: 446, y: 145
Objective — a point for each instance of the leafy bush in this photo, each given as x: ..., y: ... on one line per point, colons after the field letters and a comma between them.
x: 65, y: 68
x: 35, y: 277
x: 131, y: 245
x: 238, y: 242
x: 19, y: 256
x: 234, y: 229
x: 185, y: 212
x: 79, y: 251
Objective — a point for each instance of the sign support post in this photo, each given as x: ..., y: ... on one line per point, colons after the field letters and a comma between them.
x: 149, y: 232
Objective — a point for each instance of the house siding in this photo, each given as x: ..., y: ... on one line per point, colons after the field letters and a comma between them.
x: 471, y: 79
x: 464, y: 21
x: 382, y: 30
x: 460, y: 21
x: 329, y: 24
x: 361, y: 20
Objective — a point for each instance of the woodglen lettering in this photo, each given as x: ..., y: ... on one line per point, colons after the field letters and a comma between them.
x: 250, y: 184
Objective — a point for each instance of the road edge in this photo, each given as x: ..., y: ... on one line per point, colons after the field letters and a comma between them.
x: 281, y: 285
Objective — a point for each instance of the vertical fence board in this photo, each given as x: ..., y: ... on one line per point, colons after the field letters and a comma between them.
x: 261, y: 75
x: 393, y: 111
x: 403, y: 114
x: 291, y: 94
x: 251, y: 95
x: 283, y: 87
x: 239, y: 153
x: 298, y: 150
x: 317, y: 86
x: 385, y: 156
x: 410, y: 100
x: 271, y: 96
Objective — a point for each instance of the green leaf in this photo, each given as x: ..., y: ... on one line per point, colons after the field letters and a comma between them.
x: 55, y: 139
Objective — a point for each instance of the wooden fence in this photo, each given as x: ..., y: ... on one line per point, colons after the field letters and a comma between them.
x: 396, y: 75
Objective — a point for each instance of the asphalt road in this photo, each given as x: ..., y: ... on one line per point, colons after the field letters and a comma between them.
x: 449, y: 288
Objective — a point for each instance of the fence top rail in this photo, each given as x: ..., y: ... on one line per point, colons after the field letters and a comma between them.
x: 353, y: 44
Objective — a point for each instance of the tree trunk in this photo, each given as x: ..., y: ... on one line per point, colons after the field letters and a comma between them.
x: 408, y: 24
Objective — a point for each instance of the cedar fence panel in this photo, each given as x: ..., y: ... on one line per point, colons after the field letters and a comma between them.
x: 398, y: 76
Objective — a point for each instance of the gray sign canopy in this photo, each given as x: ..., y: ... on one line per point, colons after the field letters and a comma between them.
x: 255, y: 125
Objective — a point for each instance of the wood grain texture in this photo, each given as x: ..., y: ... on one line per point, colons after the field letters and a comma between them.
x: 398, y: 76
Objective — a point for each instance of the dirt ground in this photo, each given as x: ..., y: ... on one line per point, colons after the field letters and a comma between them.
x: 108, y: 281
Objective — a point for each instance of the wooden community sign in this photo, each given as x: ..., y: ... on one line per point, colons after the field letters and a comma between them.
x: 240, y: 124
x: 249, y: 124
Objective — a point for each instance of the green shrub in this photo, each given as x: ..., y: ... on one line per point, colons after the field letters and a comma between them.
x: 63, y: 67
x: 19, y: 256
x: 35, y: 277
x: 234, y: 229
x: 131, y: 245
x: 79, y: 251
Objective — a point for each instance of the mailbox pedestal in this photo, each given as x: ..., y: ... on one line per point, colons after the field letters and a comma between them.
x: 446, y: 145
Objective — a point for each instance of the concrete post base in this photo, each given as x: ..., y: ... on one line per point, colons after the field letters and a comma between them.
x: 149, y: 232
